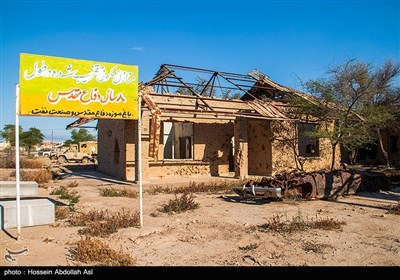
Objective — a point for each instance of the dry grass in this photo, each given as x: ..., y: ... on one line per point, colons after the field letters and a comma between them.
x: 157, y: 189
x: 95, y: 252
x: 41, y: 176
x: 31, y: 163
x: 103, y: 223
x: 111, y: 192
x: 72, y: 185
x: 216, y: 187
x: 62, y: 212
x: 180, y: 204
x: 211, y: 187
x: 8, y: 161
x: 298, y: 223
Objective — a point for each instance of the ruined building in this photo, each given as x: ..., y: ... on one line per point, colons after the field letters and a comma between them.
x: 218, y: 124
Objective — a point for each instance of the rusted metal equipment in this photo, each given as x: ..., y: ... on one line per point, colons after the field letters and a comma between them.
x: 309, y: 185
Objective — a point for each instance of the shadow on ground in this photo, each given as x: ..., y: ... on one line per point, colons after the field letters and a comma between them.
x: 246, y: 200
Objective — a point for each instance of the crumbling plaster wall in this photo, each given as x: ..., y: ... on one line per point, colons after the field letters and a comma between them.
x: 256, y: 150
x: 183, y: 168
x: 283, y: 154
x: 211, y: 142
x: 131, y: 137
x: 259, y: 147
x: 324, y: 160
x: 111, y: 155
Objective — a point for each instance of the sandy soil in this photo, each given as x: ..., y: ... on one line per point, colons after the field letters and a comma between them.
x: 221, y: 232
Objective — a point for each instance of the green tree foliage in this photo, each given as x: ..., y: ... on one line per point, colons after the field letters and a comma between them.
x: 67, y: 143
x: 357, y: 97
x: 81, y: 135
x: 8, y: 133
x: 230, y: 94
x: 31, y: 138
x: 28, y: 139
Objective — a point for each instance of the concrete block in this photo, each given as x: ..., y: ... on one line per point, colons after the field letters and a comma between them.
x: 8, y: 188
x: 34, y: 212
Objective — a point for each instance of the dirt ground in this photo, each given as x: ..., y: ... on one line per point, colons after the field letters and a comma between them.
x: 221, y: 232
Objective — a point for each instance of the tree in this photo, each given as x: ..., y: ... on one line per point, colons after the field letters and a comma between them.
x: 229, y: 94
x: 355, y: 96
x: 81, y: 135
x: 68, y: 142
x: 8, y: 133
x: 379, y: 105
x: 31, y: 138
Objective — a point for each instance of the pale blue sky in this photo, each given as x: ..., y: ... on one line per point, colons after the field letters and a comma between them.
x: 287, y: 40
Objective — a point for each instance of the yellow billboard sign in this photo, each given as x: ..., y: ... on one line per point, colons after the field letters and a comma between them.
x: 65, y: 87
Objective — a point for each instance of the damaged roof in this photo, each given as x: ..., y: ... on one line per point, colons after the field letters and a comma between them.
x: 203, y: 82
x: 175, y: 105
x: 201, y: 93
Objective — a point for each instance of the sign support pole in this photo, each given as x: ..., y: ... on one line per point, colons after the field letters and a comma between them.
x: 17, y: 165
x: 139, y: 157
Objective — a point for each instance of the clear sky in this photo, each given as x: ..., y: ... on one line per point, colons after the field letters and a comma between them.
x: 286, y: 40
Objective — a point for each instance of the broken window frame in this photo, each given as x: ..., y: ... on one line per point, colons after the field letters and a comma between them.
x: 308, y: 147
x: 175, y: 152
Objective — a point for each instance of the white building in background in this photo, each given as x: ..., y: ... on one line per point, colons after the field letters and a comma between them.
x: 49, y: 144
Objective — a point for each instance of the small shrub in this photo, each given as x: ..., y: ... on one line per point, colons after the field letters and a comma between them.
x: 113, y: 192
x: 180, y: 204
x: 31, y: 163
x: 297, y: 223
x: 110, y: 192
x: 62, y: 212
x: 40, y: 176
x: 66, y: 193
x: 93, y: 251
x: 7, y: 160
x: 325, y: 224
x: 156, y: 189
x: 72, y: 185
x: 99, y: 228
x: 103, y: 223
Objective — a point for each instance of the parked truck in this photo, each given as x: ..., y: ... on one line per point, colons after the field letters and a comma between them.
x: 82, y: 152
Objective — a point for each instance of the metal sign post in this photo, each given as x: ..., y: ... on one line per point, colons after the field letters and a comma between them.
x: 139, y: 157
x: 17, y: 165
